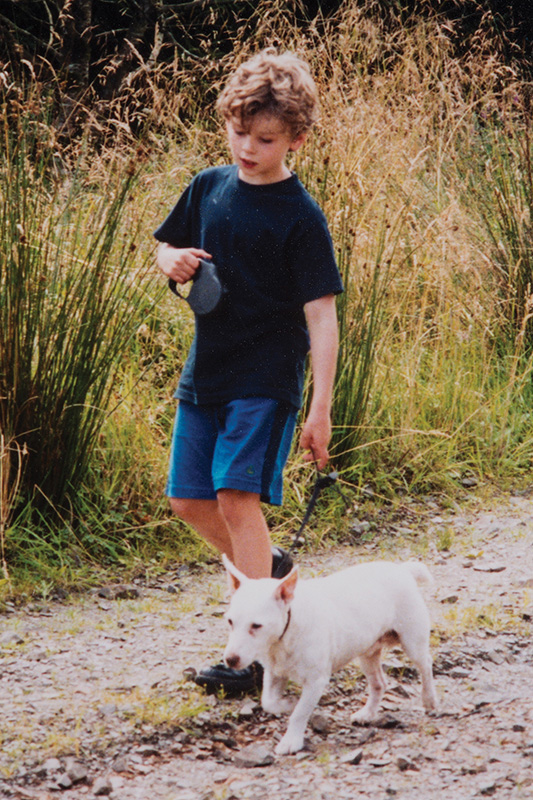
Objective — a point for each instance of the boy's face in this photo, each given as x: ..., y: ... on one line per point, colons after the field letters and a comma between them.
x: 259, y: 148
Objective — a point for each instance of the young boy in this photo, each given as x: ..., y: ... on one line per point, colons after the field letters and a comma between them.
x: 241, y: 386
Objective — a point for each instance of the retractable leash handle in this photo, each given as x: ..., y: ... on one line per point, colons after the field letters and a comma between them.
x: 206, y: 291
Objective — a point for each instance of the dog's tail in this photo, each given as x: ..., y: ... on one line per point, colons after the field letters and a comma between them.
x: 420, y: 572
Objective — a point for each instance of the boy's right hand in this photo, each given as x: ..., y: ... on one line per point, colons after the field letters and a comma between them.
x: 179, y: 263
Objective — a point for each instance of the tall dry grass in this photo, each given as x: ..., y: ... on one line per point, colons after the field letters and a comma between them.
x: 440, y: 394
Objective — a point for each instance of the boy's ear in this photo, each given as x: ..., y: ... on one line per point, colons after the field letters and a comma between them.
x: 285, y: 588
x: 297, y: 142
x: 235, y: 578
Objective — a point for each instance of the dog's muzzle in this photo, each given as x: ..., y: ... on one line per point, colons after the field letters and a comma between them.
x: 233, y: 661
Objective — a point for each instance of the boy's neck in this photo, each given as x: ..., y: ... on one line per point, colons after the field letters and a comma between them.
x: 283, y: 175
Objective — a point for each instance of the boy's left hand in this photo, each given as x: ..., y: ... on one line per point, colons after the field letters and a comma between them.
x: 315, y: 437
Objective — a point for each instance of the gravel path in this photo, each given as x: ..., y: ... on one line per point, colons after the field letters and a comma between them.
x: 95, y: 700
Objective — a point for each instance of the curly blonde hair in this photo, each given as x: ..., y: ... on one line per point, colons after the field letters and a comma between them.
x: 278, y: 84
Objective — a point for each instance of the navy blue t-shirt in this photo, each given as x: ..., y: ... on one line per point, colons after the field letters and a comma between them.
x: 274, y: 254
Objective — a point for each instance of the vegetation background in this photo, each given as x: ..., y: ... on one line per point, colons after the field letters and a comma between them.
x: 422, y: 162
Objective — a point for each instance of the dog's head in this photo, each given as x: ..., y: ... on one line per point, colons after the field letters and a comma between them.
x: 258, y: 615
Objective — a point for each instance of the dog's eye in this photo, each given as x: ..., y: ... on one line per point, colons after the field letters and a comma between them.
x: 255, y: 626
x: 230, y: 623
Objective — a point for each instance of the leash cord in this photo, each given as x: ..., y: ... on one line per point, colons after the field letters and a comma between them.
x: 321, y: 482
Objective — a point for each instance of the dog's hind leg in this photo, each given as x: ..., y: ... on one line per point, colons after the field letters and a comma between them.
x: 372, y: 669
x: 415, y: 642
x: 422, y: 660
x: 429, y: 694
x: 294, y: 737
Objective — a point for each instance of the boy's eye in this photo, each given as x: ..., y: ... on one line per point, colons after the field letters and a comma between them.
x: 266, y: 141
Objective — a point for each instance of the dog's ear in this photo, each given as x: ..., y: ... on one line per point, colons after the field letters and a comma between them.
x: 235, y: 578
x: 285, y: 588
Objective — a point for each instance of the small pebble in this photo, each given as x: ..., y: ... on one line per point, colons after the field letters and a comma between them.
x: 102, y: 786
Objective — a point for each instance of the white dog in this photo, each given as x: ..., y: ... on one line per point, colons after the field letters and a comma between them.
x: 307, y: 629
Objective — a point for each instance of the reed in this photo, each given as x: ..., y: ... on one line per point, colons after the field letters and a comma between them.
x: 73, y: 293
x: 497, y: 174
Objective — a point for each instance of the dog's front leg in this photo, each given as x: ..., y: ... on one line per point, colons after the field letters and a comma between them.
x: 272, y: 698
x: 294, y: 737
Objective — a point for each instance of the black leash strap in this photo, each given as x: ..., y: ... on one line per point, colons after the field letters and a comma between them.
x: 322, y: 482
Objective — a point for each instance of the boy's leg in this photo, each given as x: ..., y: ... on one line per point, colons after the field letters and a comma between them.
x: 211, y: 525
x: 248, y: 532
x: 245, y: 445
x: 252, y: 446
x: 235, y: 525
x: 205, y: 517
x: 190, y: 486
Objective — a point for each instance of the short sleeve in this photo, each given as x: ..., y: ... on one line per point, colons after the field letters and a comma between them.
x: 176, y: 229
x: 314, y: 266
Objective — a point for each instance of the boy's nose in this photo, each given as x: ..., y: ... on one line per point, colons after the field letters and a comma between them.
x: 247, y: 145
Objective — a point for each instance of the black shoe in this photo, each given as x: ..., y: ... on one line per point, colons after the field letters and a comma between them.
x: 233, y: 682
x: 281, y: 562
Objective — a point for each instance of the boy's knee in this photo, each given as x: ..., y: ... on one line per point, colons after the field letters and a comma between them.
x: 234, y: 504
x: 184, y: 508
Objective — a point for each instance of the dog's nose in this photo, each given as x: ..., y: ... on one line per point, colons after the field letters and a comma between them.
x: 233, y: 661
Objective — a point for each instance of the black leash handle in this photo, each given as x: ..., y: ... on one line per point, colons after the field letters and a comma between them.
x: 321, y: 482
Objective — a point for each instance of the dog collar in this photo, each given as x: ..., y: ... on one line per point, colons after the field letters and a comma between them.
x: 286, y: 626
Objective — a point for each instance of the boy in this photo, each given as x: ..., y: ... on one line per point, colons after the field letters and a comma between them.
x: 241, y: 387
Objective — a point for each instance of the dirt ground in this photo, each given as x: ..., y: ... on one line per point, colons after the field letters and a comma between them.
x: 95, y: 698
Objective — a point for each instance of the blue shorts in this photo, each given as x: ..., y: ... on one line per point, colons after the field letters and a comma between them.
x: 243, y: 444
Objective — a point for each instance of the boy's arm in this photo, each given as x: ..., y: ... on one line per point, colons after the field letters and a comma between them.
x: 321, y: 318
x: 179, y: 263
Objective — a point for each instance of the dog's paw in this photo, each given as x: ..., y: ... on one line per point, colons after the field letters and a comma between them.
x: 362, y: 717
x: 430, y: 700
x: 278, y: 706
x: 289, y: 744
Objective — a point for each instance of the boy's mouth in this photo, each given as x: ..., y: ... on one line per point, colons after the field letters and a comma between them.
x: 247, y: 164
